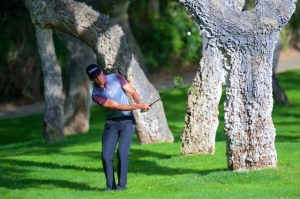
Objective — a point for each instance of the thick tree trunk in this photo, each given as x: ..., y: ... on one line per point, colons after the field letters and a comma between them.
x: 278, y: 92
x: 249, y: 129
x: 247, y: 39
x: 121, y: 17
x: 201, y: 120
x: 78, y: 101
x: 107, y: 40
x: 53, y: 113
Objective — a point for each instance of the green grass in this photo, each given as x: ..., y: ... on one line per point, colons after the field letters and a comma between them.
x: 29, y: 168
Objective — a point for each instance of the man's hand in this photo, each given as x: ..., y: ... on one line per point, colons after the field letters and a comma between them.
x: 144, y: 107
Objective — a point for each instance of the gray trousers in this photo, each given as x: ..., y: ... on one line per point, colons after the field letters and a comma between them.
x: 121, y: 132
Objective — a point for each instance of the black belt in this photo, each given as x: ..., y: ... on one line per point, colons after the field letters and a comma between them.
x: 120, y: 118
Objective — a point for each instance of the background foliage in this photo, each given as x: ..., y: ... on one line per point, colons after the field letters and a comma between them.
x: 169, y: 41
x: 20, y: 75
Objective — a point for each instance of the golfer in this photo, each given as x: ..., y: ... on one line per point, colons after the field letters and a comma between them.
x: 110, y: 93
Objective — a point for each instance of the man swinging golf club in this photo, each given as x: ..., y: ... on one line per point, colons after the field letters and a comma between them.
x: 110, y: 93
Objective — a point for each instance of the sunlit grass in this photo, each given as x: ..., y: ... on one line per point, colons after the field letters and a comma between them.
x: 29, y: 168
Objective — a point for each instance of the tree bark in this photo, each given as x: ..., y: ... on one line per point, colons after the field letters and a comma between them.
x: 53, y: 113
x: 121, y: 17
x: 107, y: 40
x: 201, y: 119
x: 247, y: 39
x: 78, y: 101
x: 278, y: 92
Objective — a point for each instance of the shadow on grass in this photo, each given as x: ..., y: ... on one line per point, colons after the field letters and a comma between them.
x: 30, y: 183
x: 14, y: 174
x: 287, y: 138
x: 39, y: 147
x: 149, y: 167
x: 47, y: 165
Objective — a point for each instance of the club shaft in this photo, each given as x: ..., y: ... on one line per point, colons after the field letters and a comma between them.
x: 162, y: 96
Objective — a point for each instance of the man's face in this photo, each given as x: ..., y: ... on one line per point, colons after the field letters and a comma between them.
x: 99, y: 79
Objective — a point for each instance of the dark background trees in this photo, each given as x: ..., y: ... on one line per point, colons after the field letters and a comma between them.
x: 20, y: 74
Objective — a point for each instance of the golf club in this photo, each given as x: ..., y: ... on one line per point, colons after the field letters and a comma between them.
x: 162, y: 96
x: 178, y: 83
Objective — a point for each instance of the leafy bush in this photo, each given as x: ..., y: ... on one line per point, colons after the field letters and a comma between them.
x: 169, y: 39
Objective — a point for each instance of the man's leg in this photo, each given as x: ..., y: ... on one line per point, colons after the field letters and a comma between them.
x: 126, y: 134
x: 109, y: 141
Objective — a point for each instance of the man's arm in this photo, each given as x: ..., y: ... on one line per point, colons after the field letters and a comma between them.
x: 128, y: 88
x: 125, y: 107
x: 109, y: 103
x: 131, y: 91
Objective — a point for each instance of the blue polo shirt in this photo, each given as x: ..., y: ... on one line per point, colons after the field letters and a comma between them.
x: 112, y: 90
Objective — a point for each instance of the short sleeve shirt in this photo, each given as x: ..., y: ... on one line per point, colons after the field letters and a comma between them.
x: 112, y: 90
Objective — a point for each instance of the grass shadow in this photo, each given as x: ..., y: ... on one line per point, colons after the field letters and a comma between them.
x: 29, y: 183
x: 142, y: 164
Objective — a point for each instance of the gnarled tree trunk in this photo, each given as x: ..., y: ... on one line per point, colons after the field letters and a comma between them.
x: 201, y: 119
x: 247, y: 39
x: 53, y: 113
x: 107, y: 40
x: 78, y: 92
x: 121, y: 17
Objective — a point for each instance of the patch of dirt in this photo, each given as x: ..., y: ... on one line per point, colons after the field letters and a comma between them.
x: 289, y: 53
x: 17, y: 103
